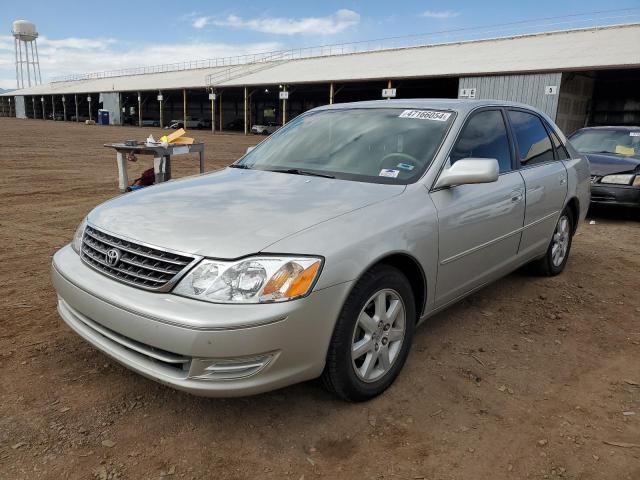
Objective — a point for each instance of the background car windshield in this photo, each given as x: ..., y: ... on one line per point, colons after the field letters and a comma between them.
x: 621, y: 142
x: 383, y: 145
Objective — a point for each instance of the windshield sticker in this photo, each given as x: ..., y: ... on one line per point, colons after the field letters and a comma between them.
x: 388, y: 172
x: 405, y: 166
x: 426, y: 115
x: 634, y: 134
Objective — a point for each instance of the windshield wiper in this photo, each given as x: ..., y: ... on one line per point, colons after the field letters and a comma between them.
x: 240, y: 165
x: 297, y: 171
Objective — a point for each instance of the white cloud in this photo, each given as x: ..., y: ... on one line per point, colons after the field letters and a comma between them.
x: 442, y: 14
x: 82, y: 55
x: 329, y: 25
x: 200, y: 22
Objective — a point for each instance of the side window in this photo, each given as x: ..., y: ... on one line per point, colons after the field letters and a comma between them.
x: 561, y: 151
x: 534, y: 145
x: 484, y: 136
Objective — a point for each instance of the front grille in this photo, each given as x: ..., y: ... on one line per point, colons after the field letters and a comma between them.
x: 133, y: 263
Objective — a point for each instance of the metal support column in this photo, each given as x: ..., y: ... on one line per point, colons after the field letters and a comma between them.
x: 35, y: 42
x: 220, y: 103
x: 15, y: 43
x: 43, y: 113
x: 184, y: 107
x: 212, y: 96
x: 284, y: 111
x: 53, y: 106
x: 75, y: 99
x: 246, y: 122
x: 139, y: 109
x: 161, y: 100
x: 331, y: 93
x: 389, y: 85
x: 89, y: 101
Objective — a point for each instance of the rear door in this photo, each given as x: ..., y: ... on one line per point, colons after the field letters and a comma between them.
x: 545, y: 179
x: 479, y: 225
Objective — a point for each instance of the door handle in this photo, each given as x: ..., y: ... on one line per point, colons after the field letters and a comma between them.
x: 563, y: 180
x: 516, y: 196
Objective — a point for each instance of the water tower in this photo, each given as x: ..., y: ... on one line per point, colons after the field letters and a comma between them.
x: 25, y: 35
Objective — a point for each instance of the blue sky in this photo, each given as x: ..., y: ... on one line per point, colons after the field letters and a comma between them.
x: 80, y: 37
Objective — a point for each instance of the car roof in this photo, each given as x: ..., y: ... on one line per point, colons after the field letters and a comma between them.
x: 458, y: 105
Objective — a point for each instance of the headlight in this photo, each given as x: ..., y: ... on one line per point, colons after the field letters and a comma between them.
x: 76, y: 244
x: 252, y: 280
x: 620, y: 179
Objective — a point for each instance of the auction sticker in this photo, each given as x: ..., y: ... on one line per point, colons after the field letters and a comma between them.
x: 426, y: 115
x: 405, y: 166
x: 634, y: 134
x: 388, y: 172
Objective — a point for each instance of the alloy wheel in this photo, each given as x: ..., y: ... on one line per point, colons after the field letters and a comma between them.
x: 378, y: 335
x: 560, y: 244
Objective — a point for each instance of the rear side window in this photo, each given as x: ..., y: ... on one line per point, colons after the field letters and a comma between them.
x: 484, y: 136
x: 534, y: 145
x: 561, y: 151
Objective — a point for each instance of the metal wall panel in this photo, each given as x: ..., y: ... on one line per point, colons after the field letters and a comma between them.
x: 111, y: 101
x: 527, y: 88
x: 20, y: 111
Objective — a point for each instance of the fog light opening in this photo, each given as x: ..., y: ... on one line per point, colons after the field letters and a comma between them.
x: 228, y: 368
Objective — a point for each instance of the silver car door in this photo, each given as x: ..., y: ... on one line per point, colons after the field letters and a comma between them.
x: 479, y: 225
x: 545, y: 179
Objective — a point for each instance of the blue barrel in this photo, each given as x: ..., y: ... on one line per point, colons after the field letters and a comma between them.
x: 103, y: 117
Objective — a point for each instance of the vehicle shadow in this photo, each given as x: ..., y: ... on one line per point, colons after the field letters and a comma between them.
x: 607, y: 213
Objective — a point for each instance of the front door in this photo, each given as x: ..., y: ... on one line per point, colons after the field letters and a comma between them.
x: 479, y: 225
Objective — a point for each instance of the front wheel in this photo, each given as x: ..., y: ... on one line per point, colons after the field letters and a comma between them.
x: 557, y: 254
x: 372, y: 336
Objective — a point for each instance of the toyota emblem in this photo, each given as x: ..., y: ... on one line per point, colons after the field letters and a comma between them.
x: 112, y: 257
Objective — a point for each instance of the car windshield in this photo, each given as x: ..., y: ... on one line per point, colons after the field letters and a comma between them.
x: 619, y: 142
x: 380, y: 145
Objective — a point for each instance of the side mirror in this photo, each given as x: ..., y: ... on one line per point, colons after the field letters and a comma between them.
x: 249, y: 149
x: 469, y: 170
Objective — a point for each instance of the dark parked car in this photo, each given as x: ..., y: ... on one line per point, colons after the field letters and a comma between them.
x: 235, y: 125
x: 150, y: 122
x: 614, y: 158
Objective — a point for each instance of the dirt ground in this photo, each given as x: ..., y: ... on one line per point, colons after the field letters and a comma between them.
x: 529, y: 378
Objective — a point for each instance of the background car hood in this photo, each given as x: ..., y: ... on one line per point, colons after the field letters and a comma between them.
x: 233, y: 212
x: 602, y: 164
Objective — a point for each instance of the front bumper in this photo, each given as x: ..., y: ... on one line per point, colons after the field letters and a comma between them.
x: 609, y: 194
x: 172, y: 339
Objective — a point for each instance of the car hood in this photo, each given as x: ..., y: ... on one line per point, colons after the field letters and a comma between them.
x: 606, y: 164
x: 233, y: 212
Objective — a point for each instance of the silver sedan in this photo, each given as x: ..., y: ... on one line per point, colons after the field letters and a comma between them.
x: 319, y: 251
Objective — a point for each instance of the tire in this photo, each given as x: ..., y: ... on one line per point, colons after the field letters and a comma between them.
x: 553, y: 262
x: 359, y: 378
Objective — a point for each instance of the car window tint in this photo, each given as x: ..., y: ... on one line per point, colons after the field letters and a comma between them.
x: 561, y: 151
x: 484, y: 136
x: 534, y: 145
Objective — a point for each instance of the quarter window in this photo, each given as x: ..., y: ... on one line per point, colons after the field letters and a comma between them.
x: 484, y: 136
x: 534, y: 145
x: 561, y: 151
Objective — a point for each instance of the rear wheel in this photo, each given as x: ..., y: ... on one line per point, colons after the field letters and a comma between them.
x: 557, y: 254
x: 372, y: 337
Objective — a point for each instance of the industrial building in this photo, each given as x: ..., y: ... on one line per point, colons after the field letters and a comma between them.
x: 579, y: 77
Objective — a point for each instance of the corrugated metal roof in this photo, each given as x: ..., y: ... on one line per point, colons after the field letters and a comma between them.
x: 568, y: 50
